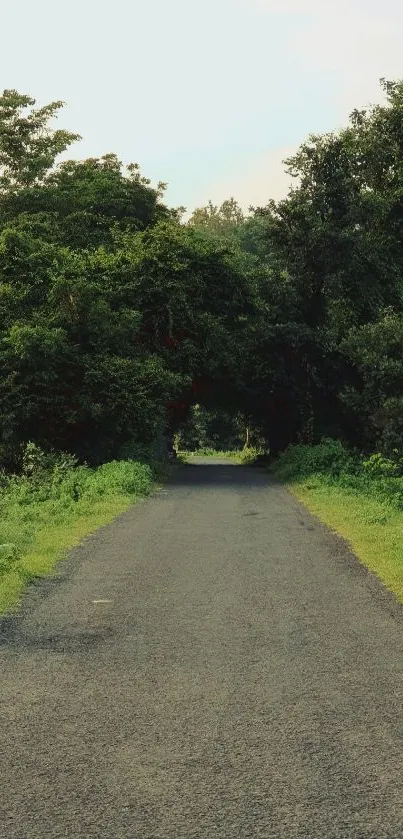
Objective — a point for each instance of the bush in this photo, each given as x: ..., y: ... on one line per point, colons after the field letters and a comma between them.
x: 379, y: 466
x: 376, y: 476
x: 119, y: 477
x: 53, y: 489
x: 329, y: 457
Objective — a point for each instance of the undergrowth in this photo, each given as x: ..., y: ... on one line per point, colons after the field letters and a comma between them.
x: 242, y: 455
x: 53, y: 504
x: 377, y: 476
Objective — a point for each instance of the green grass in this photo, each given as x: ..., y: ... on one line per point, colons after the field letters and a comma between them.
x: 43, y: 515
x: 373, y: 529
x: 242, y: 456
x: 359, y: 499
x: 50, y: 543
x: 207, y: 452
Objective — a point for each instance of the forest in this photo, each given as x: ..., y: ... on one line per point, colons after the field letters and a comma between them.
x: 118, y: 315
x: 126, y: 324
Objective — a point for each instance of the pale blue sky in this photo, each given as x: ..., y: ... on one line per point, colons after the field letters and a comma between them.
x: 209, y: 95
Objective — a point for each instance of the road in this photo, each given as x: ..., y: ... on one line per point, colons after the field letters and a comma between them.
x: 212, y: 665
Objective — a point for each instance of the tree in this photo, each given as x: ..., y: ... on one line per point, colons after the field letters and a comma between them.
x: 116, y: 318
x: 73, y: 374
x: 376, y: 398
x: 338, y: 239
x: 222, y: 221
x: 28, y: 145
x: 85, y: 204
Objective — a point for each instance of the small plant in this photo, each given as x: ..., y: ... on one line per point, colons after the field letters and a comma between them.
x: 377, y: 466
x: 8, y: 557
x: 33, y: 460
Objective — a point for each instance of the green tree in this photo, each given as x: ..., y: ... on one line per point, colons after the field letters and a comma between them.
x: 376, y: 395
x: 85, y: 204
x: 75, y: 376
x: 221, y: 220
x: 337, y: 239
x: 28, y: 145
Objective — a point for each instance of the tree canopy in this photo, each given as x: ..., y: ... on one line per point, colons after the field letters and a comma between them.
x: 117, y: 316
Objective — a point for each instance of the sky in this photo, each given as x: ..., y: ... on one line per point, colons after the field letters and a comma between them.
x: 207, y: 95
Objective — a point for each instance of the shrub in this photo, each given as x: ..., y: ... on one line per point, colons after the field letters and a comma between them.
x: 119, y: 477
x: 379, y: 466
x: 328, y: 457
x: 53, y: 489
x: 376, y: 475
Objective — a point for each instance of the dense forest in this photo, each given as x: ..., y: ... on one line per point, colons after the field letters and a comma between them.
x: 118, y: 315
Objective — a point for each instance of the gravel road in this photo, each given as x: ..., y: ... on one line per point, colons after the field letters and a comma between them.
x: 213, y: 665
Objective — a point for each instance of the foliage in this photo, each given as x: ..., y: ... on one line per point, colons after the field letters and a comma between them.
x: 40, y: 509
x: 330, y: 462
x: 28, y: 146
x: 376, y: 350
x: 212, y: 430
x: 285, y: 324
x: 246, y: 456
x: 328, y: 457
x: 337, y: 237
x: 85, y: 204
x: 74, y: 375
x: 378, y: 466
x: 222, y: 221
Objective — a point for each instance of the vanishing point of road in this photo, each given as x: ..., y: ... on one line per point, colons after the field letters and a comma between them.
x: 214, y: 664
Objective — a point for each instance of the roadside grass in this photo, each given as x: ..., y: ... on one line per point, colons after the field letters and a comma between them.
x: 51, y: 511
x: 241, y: 456
x: 360, y: 499
x: 51, y: 541
x: 209, y: 452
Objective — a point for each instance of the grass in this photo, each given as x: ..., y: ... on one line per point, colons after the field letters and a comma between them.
x: 359, y: 499
x: 44, y: 514
x: 50, y: 543
x: 242, y: 456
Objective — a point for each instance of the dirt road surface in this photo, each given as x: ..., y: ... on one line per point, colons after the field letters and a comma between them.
x: 213, y: 665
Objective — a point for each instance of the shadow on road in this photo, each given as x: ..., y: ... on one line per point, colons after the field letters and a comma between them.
x: 208, y: 472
